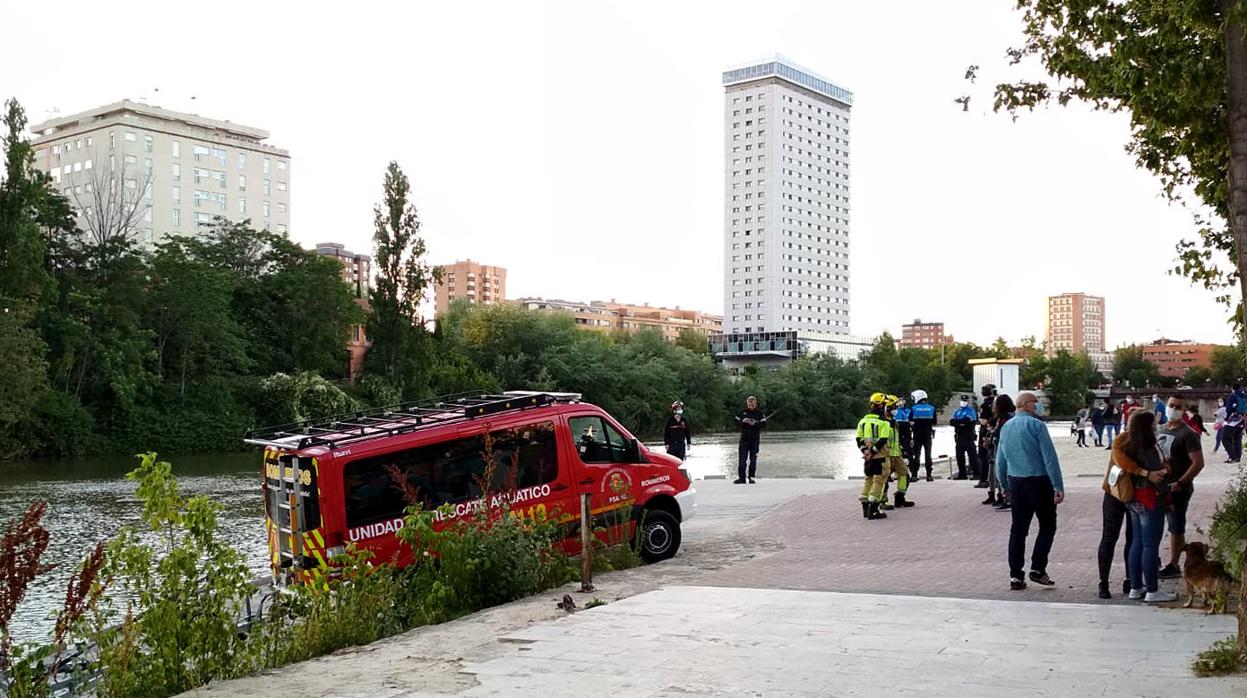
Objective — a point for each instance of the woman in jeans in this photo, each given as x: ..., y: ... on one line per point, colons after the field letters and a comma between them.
x: 1136, y: 452
x: 1113, y: 514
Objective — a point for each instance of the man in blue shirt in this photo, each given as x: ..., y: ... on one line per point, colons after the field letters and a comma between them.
x: 1027, y: 461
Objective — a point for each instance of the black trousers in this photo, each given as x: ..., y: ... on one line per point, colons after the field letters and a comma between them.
x: 1232, y: 439
x: 905, y: 433
x: 922, y: 442
x: 1032, y: 497
x: 966, y: 451
x: 748, y: 455
x: 1114, y: 513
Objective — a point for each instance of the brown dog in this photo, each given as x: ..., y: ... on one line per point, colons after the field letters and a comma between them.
x: 1205, y: 576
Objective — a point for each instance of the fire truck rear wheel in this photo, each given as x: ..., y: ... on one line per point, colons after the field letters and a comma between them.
x: 658, y: 535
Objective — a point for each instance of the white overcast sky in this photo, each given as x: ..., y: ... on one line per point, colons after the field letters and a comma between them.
x: 579, y: 144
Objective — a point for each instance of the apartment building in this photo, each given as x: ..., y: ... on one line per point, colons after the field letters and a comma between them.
x: 357, y: 274
x: 610, y: 316
x: 476, y: 282
x: 924, y: 335
x: 146, y: 172
x: 1173, y: 358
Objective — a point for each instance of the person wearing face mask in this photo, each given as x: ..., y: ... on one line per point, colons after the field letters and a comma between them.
x: 985, y: 435
x: 1232, y: 430
x: 1184, y: 457
x: 964, y: 420
x: 1127, y: 406
x: 677, y: 435
x: 1110, y: 422
x: 874, y: 436
x: 1026, y: 459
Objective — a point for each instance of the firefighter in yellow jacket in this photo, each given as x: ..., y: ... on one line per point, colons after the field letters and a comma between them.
x: 896, y: 462
x: 874, y: 437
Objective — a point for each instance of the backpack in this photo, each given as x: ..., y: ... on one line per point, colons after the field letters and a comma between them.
x: 1240, y: 403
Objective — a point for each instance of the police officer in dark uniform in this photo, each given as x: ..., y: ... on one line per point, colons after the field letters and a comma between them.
x: 922, y: 415
x: 751, y: 422
x: 905, y: 433
x: 985, y: 433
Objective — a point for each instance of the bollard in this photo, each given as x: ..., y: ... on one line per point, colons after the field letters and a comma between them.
x: 586, y: 544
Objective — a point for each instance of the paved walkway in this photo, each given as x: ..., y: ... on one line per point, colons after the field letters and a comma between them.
x: 920, y: 604
x: 701, y: 641
x: 947, y: 545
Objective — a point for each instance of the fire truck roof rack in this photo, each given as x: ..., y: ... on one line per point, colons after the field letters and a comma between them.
x: 365, y: 425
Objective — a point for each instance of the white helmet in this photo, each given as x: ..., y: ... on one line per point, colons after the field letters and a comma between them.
x: 919, y: 395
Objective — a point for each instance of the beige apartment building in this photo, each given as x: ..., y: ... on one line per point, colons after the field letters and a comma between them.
x: 1075, y: 323
x: 147, y: 172
x: 478, y: 283
x: 356, y: 273
x: 611, y: 316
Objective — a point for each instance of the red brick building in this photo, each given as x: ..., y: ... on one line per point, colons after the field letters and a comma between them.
x: 1173, y: 358
x: 924, y: 335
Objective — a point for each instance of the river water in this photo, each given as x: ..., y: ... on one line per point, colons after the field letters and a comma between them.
x: 89, y: 499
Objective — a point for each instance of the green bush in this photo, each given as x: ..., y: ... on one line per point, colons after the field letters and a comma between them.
x: 1228, y: 530
x: 1222, y: 658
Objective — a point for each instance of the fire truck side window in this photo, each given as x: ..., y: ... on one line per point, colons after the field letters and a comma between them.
x: 449, y: 471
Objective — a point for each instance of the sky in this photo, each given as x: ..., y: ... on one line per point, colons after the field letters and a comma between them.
x: 580, y: 144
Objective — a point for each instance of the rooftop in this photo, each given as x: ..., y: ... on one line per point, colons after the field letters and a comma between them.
x: 777, y: 66
x: 125, y: 106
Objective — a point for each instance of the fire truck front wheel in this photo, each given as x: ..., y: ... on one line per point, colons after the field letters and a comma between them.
x: 658, y: 535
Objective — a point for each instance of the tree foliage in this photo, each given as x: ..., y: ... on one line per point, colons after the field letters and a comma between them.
x: 1134, y: 371
x: 400, y: 347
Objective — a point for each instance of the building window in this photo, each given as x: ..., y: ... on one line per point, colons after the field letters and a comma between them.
x: 267, y: 165
x: 242, y: 205
x: 220, y: 155
x: 281, y: 186
x: 177, y: 194
x: 268, y: 187
x: 112, y: 140
x: 177, y: 216
x: 281, y: 165
x: 267, y: 211
x: 281, y: 229
x: 242, y: 161
x: 147, y: 215
x: 242, y: 182
x: 176, y: 169
x: 147, y: 144
x: 131, y: 137
x: 147, y: 165
x: 281, y: 208
x: 176, y: 149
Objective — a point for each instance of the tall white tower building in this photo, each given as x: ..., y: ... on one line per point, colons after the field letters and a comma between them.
x: 786, y: 210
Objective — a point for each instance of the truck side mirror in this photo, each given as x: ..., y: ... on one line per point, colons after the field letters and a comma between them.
x: 634, y: 452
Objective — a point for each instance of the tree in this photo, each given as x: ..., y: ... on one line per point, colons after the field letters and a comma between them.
x: 1197, y: 376
x: 1130, y: 368
x: 113, y: 204
x: 1000, y: 349
x: 1067, y: 380
x: 1228, y: 366
x: 1179, y: 69
x: 693, y: 340
x: 399, y: 349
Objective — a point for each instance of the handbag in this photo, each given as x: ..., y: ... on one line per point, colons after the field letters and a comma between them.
x: 1120, y: 484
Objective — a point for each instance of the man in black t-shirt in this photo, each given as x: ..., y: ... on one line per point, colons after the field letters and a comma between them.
x: 1184, y: 455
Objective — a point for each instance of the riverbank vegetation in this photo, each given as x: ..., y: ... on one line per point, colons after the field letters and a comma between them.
x: 156, y: 610
x: 114, y: 346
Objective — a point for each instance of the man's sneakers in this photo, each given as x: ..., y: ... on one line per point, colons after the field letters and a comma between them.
x: 1016, y: 584
x: 1041, y: 578
x: 1159, y: 597
x: 1003, y: 504
x: 1136, y: 594
x: 1170, y: 572
x: 738, y: 481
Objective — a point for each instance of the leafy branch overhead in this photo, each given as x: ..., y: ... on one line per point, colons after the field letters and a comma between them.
x: 1168, y: 65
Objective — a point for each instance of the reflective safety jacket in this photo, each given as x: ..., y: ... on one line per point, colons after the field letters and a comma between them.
x: 874, y: 433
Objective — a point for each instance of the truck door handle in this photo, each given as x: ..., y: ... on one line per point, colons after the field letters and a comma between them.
x: 559, y: 488
x: 587, y: 481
